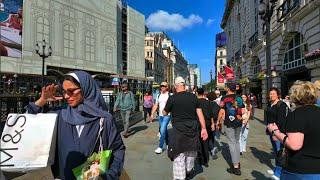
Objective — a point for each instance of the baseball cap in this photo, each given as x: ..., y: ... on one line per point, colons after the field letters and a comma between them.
x: 179, y: 80
x: 164, y: 84
x: 231, y: 86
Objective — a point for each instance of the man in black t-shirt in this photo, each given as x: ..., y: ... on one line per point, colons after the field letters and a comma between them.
x: 184, y: 139
x: 232, y: 105
x: 207, y: 111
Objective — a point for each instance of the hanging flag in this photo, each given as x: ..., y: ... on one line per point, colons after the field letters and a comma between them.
x: 220, y: 78
x: 229, y: 73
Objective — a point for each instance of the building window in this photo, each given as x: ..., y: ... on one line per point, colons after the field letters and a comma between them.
x: 108, y: 44
x: 43, y: 29
x: 68, y: 13
x: 294, y: 55
x: 256, y: 67
x: 68, y: 41
x: 221, y: 53
x: 89, y: 46
x: 221, y: 62
x: 151, y: 54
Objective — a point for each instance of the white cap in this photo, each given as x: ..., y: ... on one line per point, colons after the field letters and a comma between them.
x: 179, y: 80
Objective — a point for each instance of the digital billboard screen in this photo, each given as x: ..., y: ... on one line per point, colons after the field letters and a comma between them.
x: 221, y: 39
x: 11, y: 19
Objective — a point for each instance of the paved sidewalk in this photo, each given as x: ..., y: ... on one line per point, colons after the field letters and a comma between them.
x: 143, y: 164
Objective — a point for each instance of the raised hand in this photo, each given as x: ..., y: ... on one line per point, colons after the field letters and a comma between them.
x: 47, y: 93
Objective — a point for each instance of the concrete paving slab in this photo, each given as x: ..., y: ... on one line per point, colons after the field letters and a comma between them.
x: 142, y: 163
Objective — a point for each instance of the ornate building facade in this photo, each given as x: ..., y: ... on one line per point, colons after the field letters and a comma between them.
x: 84, y: 34
x: 295, y: 31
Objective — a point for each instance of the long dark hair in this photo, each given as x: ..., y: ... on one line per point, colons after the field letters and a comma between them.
x: 247, y: 102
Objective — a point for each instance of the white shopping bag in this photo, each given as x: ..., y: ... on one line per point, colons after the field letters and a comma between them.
x: 28, y: 142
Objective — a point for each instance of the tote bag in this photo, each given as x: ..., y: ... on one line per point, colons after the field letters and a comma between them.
x: 28, y: 142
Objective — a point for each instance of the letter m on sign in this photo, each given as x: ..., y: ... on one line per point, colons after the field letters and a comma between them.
x: 5, y: 156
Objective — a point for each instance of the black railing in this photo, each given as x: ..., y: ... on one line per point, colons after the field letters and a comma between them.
x: 285, y: 8
x: 16, y: 104
x: 13, y: 104
x: 253, y: 40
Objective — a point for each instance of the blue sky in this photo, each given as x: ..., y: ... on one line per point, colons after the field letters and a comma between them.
x: 192, y: 24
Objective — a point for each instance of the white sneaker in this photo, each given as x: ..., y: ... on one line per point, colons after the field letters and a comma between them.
x: 275, y: 177
x: 158, y: 151
x: 244, y: 150
x: 270, y: 171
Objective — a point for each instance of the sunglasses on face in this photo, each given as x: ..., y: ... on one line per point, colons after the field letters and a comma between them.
x: 163, y: 86
x: 70, y: 92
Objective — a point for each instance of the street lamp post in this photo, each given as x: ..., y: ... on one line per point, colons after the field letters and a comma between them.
x: 266, y: 8
x: 44, y: 51
x: 211, y: 80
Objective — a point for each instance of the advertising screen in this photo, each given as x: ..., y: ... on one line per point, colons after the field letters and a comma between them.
x: 11, y: 27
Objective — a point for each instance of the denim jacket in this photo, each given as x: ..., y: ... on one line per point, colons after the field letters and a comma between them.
x: 125, y: 101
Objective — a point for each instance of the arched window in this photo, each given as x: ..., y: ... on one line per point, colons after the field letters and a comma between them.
x: 256, y: 66
x: 42, y: 29
x: 69, y: 41
x: 89, y: 46
x: 109, y: 46
x: 294, y: 55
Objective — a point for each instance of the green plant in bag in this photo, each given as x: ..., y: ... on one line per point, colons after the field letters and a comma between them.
x: 95, y: 165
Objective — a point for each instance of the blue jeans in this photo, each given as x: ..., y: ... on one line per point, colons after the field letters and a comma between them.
x: 286, y: 175
x: 244, y: 136
x: 163, y: 121
x: 276, y: 145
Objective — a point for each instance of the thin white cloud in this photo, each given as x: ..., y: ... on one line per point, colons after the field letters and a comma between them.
x: 162, y: 20
x: 210, y: 21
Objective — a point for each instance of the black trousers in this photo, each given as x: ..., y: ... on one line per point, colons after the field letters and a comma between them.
x: 146, y: 111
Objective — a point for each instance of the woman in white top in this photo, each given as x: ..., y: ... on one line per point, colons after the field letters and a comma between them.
x: 245, y: 123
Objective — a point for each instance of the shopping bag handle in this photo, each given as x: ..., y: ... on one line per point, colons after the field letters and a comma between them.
x: 99, y: 138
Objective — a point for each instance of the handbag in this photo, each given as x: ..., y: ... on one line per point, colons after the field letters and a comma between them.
x: 281, y: 156
x: 96, y: 164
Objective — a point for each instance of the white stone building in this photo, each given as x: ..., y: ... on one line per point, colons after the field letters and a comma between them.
x: 221, y: 62
x: 155, y: 56
x: 194, y: 75
x: 295, y: 31
x: 83, y: 34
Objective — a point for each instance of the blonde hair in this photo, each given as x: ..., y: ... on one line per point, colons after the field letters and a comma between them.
x: 317, y: 84
x: 303, y: 93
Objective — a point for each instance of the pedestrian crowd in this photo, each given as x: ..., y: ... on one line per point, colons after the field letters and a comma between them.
x: 197, y: 119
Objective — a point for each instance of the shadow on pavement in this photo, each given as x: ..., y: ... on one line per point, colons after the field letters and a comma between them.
x: 258, y: 175
x: 136, y: 129
x: 262, y: 156
x: 226, y: 153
